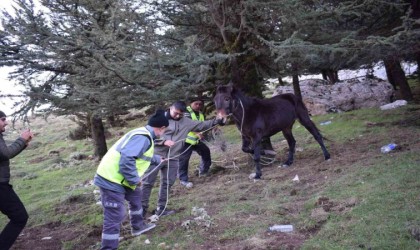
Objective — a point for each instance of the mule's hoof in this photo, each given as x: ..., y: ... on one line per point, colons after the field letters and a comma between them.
x: 284, y: 166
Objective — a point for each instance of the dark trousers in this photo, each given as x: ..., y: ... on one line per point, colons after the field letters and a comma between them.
x: 184, y: 159
x: 12, y: 207
x: 168, y: 172
x: 114, y: 214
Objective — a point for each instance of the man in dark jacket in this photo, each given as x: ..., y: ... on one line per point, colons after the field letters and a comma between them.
x: 169, y: 146
x: 10, y: 204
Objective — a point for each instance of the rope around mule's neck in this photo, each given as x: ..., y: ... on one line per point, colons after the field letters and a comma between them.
x: 243, y: 116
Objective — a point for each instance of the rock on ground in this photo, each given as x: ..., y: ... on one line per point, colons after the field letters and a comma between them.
x: 321, y: 98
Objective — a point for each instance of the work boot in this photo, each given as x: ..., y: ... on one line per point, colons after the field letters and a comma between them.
x: 143, y: 229
x: 204, y: 174
x: 161, y: 211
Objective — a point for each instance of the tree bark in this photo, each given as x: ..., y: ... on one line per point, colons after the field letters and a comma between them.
x: 396, y: 73
x: 281, y: 82
x: 324, y: 74
x: 245, y: 76
x: 336, y: 76
x: 296, y: 87
x: 330, y: 75
x: 388, y: 71
x: 418, y: 65
x: 98, y: 136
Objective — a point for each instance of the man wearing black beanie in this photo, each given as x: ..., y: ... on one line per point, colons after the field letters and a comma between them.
x: 119, y: 177
x: 10, y: 204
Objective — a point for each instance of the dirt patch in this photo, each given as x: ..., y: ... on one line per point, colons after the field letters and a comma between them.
x: 54, y: 235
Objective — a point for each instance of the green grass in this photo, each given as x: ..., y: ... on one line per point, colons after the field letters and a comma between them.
x: 386, y: 188
x: 389, y: 207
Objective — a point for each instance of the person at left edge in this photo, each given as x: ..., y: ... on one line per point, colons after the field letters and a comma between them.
x: 118, y: 178
x: 10, y: 204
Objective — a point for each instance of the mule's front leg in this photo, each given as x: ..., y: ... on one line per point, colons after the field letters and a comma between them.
x: 257, y: 157
x: 245, y: 145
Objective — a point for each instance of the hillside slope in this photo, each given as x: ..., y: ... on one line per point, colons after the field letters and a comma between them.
x: 361, y: 198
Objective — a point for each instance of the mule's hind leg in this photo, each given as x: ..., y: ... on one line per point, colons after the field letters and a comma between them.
x: 287, y: 133
x: 310, y: 126
x: 305, y: 120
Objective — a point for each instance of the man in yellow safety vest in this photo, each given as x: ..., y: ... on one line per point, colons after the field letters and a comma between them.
x: 119, y: 177
x: 194, y: 143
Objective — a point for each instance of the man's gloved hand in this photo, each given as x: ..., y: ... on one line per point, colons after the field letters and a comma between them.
x: 221, y: 121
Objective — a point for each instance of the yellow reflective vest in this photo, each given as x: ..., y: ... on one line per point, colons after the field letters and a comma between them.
x: 110, y: 163
x: 192, y: 138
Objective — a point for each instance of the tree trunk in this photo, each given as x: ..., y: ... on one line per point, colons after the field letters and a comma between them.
x: 98, y: 136
x: 389, y: 75
x: 415, y: 6
x: 296, y: 87
x: 111, y: 120
x: 418, y: 65
x: 245, y: 76
x: 396, y: 73
x: 336, y: 76
x: 324, y: 74
x: 330, y: 75
x: 281, y: 83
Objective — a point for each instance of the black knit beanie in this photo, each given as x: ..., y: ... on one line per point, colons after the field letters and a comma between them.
x: 158, y: 119
x: 2, y: 114
x: 196, y: 98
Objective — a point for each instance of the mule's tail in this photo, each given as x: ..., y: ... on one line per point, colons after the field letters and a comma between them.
x: 303, y: 113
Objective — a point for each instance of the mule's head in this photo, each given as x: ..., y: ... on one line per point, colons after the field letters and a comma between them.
x: 223, y: 101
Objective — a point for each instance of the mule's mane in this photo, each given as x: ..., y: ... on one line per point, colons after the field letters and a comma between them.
x: 246, y: 100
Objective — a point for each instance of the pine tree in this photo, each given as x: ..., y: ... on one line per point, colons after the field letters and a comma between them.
x: 82, y: 56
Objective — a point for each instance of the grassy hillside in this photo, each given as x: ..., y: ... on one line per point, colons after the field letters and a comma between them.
x: 360, y: 199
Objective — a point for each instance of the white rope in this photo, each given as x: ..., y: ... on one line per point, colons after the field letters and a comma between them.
x: 167, y: 174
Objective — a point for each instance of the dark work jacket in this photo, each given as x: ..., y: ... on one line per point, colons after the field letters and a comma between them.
x: 7, y: 153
